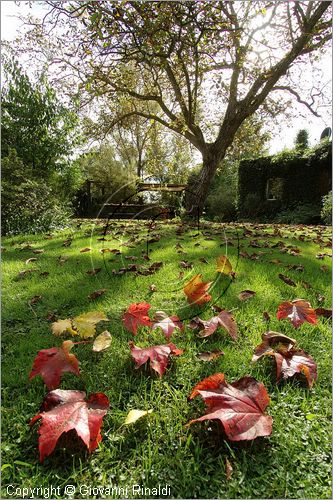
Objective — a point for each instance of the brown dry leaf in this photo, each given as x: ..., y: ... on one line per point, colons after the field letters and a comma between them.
x: 51, y: 316
x: 24, y: 273
x: 287, y: 280
x: 152, y: 288
x: 102, y: 341
x: 67, y: 243
x: 62, y: 260
x: 228, y: 469
x: 306, y: 285
x: 324, y: 268
x: 210, y: 355
x: 83, y: 250
x: 97, y: 293
x: 266, y: 316
x: 32, y: 259
x: 38, y: 251
x: 93, y: 272
x: 246, y: 294
x: 34, y: 300
x: 321, y: 311
x: 276, y: 261
x: 203, y: 260
x: 185, y: 264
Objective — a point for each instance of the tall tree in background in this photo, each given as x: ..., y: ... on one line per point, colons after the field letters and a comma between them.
x: 200, y: 62
x: 35, y: 123
x: 302, y: 140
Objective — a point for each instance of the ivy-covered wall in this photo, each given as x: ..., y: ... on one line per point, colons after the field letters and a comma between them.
x: 297, y: 177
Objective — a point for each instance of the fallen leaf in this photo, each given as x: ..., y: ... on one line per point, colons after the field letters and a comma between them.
x: 223, y: 265
x: 67, y: 243
x: 63, y: 411
x: 38, y: 251
x: 208, y: 327
x: 102, y: 341
x: 324, y: 268
x: 23, y: 274
x: 50, y: 364
x: 210, y: 355
x: 62, y: 260
x: 287, y: 280
x: 134, y: 415
x: 203, y: 260
x: 185, y: 264
x: 32, y: 259
x: 270, y: 339
x: 93, y: 272
x: 298, y: 311
x: 321, y: 311
x: 96, y: 294
x: 275, y: 261
x: 158, y: 356
x: 291, y: 361
x: 266, y: 316
x: 196, y: 290
x: 34, y: 300
x: 86, y: 323
x: 44, y: 274
x: 51, y: 316
x: 238, y: 406
x: 152, y: 288
x: 246, y: 294
x: 136, y: 315
x: 61, y: 326
x: 228, y: 469
x: 166, y: 323
x: 83, y: 250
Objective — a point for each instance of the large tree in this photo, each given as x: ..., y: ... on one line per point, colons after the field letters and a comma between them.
x: 41, y: 129
x: 207, y: 65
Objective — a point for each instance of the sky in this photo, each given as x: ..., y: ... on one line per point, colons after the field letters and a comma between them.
x: 283, y: 137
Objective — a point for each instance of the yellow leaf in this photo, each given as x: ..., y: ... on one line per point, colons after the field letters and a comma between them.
x: 102, y: 341
x: 134, y: 415
x: 86, y: 323
x: 223, y: 265
x: 61, y: 326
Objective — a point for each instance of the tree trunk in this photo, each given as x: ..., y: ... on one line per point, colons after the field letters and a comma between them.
x: 197, y: 191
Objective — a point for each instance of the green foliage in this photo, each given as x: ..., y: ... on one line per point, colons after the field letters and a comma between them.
x: 302, y: 140
x: 35, y: 123
x: 28, y: 204
x: 326, y: 211
x: 306, y: 213
x: 111, y: 181
x: 304, y: 175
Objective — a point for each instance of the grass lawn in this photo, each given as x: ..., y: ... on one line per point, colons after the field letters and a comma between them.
x: 294, y: 462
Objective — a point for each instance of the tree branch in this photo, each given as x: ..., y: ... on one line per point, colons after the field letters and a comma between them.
x: 301, y: 101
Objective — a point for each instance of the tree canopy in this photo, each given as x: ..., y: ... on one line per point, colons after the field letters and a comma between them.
x: 200, y: 68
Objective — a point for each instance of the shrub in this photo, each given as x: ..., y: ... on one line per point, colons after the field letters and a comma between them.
x: 28, y: 205
x: 326, y: 211
x: 306, y: 213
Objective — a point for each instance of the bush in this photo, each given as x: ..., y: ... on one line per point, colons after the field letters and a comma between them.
x: 306, y: 213
x: 326, y: 211
x: 28, y: 205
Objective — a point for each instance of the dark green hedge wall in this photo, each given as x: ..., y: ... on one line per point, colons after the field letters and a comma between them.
x: 307, y: 177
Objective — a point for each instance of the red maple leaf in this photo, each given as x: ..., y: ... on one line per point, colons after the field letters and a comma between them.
x: 51, y: 363
x: 298, y: 311
x: 158, y: 355
x: 136, y: 315
x: 290, y: 362
x: 167, y: 323
x: 270, y: 339
x: 238, y: 406
x: 224, y: 319
x: 63, y: 411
